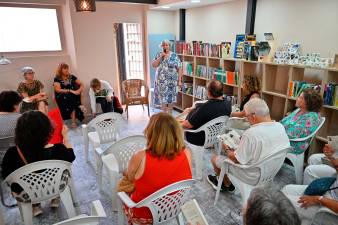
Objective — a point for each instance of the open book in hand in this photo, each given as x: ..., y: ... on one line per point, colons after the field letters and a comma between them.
x: 193, y: 213
x: 231, y: 139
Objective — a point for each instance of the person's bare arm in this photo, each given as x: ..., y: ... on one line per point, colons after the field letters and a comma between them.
x: 65, y: 136
x: 231, y: 155
x: 157, y: 61
x: 308, y: 201
x: 180, y: 73
x: 134, y: 165
x: 238, y: 114
x: 186, y: 124
x: 58, y: 89
x: 78, y: 91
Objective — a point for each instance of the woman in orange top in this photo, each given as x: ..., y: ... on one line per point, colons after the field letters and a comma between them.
x: 164, y: 162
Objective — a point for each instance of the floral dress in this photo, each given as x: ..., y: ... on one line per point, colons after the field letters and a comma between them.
x: 166, y: 79
x: 299, y: 125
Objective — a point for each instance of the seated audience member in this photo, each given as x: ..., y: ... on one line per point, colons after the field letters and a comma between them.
x: 32, y: 132
x: 68, y: 89
x: 164, y: 162
x: 307, y: 206
x: 9, y: 114
x: 101, y: 92
x: 267, y: 206
x: 32, y: 91
x: 215, y: 107
x: 264, y: 138
x: 251, y: 89
x: 304, y: 120
x: 317, y: 169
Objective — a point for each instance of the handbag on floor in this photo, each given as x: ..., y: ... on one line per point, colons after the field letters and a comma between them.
x: 320, y: 186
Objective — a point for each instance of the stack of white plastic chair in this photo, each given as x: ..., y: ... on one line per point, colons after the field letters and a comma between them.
x: 267, y: 167
x: 41, y: 181
x: 105, y: 128
x: 211, y: 129
x: 115, y: 159
x: 97, y: 213
x: 297, y: 160
x: 164, y: 205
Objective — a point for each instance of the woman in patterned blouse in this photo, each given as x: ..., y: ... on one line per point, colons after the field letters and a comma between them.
x: 31, y: 90
x: 168, y: 77
x: 304, y: 120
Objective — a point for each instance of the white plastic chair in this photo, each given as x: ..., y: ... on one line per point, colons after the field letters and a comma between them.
x: 5, y: 143
x: 165, y: 204
x: 297, y: 160
x: 104, y: 128
x: 325, y: 216
x: 41, y: 181
x: 267, y: 167
x: 211, y: 129
x: 97, y: 213
x: 115, y: 159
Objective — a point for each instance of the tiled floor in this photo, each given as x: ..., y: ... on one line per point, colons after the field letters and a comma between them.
x: 226, y: 212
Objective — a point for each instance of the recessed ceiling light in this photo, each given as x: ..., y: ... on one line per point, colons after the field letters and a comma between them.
x: 195, y: 1
x: 165, y: 7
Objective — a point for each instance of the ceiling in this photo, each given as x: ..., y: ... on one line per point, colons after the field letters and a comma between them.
x: 185, y: 4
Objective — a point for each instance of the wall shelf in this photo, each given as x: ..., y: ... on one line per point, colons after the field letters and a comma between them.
x: 275, y: 80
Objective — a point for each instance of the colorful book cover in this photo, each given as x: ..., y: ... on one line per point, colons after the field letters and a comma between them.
x: 230, y: 77
x: 336, y: 96
x: 291, y: 88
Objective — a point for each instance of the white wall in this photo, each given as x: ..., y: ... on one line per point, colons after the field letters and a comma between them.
x: 161, y: 22
x: 216, y: 23
x: 313, y: 23
x: 95, y: 42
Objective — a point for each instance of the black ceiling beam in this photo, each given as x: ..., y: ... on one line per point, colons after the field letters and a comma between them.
x: 250, y: 17
x: 182, y: 24
x: 132, y: 1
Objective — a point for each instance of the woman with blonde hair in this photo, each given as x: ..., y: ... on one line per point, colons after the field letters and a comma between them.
x: 164, y: 162
x: 68, y: 89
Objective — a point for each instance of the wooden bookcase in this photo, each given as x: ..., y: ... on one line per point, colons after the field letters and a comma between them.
x: 275, y: 80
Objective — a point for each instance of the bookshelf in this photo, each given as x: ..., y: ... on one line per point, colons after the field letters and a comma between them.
x: 275, y: 79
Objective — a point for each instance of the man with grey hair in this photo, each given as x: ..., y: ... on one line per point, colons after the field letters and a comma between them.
x: 268, y: 206
x: 265, y: 137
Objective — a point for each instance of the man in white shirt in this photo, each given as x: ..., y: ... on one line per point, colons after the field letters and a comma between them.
x: 264, y: 138
x: 101, y: 92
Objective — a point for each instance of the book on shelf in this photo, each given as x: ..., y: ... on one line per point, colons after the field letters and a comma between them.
x: 199, y: 48
x: 187, y: 88
x: 227, y: 77
x: 331, y: 94
x: 201, y: 92
x: 225, y: 49
x: 297, y: 87
x: 187, y: 68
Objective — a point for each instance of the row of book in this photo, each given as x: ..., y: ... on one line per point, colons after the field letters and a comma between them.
x: 227, y: 77
x: 297, y: 87
x: 187, y: 68
x: 205, y: 72
x: 201, y: 92
x: 199, y: 48
x: 331, y: 94
x: 187, y: 88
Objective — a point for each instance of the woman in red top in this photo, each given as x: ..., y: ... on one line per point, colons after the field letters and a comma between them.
x: 164, y: 162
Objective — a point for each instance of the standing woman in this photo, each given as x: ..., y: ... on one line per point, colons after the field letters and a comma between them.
x: 31, y: 90
x: 168, y: 77
x: 68, y: 91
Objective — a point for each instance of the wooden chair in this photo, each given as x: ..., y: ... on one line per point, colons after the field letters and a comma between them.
x: 132, y: 90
